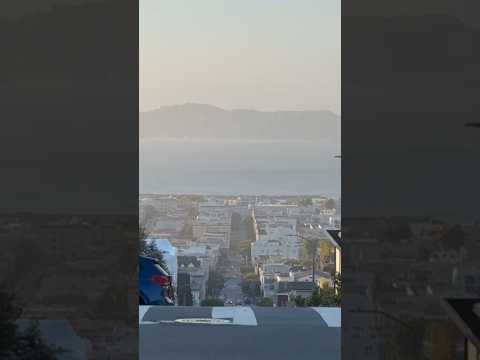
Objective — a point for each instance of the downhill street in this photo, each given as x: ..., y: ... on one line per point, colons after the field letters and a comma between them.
x: 253, y: 333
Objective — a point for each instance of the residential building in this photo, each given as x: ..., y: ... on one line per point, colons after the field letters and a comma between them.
x: 198, y: 277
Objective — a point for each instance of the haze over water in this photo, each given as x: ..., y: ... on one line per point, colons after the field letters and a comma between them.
x: 239, y: 167
x: 269, y: 56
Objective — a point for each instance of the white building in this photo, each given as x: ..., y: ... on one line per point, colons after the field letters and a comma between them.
x: 276, y: 239
x: 268, y: 274
x: 213, y: 219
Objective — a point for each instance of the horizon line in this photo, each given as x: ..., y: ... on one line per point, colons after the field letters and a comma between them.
x: 233, y: 109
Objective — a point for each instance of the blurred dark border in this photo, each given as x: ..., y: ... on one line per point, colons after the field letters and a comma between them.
x: 69, y: 160
x: 410, y: 230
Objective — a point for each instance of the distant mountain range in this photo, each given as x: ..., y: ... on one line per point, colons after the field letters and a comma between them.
x: 206, y: 121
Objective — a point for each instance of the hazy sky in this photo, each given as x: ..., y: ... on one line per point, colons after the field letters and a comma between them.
x: 257, y: 54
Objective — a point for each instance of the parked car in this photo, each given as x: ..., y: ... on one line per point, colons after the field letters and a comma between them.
x: 154, y: 283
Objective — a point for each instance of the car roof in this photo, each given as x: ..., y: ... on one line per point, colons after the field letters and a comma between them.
x: 146, y: 258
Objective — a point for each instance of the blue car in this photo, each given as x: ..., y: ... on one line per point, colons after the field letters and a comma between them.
x: 154, y: 283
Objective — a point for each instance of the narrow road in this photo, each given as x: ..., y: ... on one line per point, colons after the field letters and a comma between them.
x: 232, y: 289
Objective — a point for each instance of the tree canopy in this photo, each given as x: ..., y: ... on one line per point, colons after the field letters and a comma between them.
x: 330, y: 204
x: 21, y: 345
x: 149, y: 248
x: 265, y: 302
x: 251, y: 285
x: 212, y: 302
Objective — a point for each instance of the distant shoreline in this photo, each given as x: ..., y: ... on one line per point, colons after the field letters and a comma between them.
x: 236, y: 195
x: 233, y: 140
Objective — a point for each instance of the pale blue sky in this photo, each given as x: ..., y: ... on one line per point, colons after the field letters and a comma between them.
x: 257, y: 54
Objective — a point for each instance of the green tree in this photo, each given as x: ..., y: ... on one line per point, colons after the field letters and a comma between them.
x: 215, y: 283
x: 142, y: 239
x: 29, y: 345
x: 323, y: 297
x: 325, y: 251
x: 250, y: 226
x: 149, y: 248
x: 212, y: 302
x: 247, y: 269
x: 265, y: 302
x: 9, y: 313
x: 311, y: 247
x: 330, y: 204
x: 245, y: 248
x: 337, y: 283
x: 21, y: 345
x: 251, y: 285
x: 300, y: 301
x: 184, y: 292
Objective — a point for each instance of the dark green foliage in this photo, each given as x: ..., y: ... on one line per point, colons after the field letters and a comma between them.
x: 184, y: 292
x: 151, y: 250
x: 250, y: 228
x: 142, y: 236
x: 324, y: 297
x: 265, y: 302
x: 300, y: 301
x: 29, y: 345
x: 148, y: 248
x: 8, y: 314
x: 212, y: 302
x: 251, y: 285
x: 20, y: 345
x: 215, y: 283
x: 246, y: 269
x: 337, y: 283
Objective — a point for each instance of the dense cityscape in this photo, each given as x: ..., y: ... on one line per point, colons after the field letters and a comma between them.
x: 242, y: 250
x: 287, y: 252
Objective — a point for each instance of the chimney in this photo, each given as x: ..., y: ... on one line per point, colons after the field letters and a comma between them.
x: 476, y: 309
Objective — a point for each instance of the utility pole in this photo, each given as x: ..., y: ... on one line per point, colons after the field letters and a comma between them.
x: 313, y: 264
x: 312, y: 244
